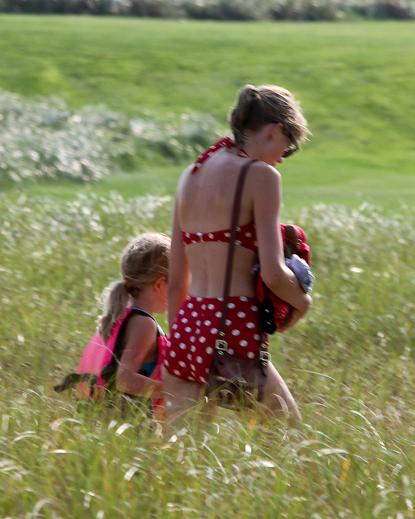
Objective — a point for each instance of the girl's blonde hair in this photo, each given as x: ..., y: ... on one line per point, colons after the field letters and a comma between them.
x: 257, y: 106
x: 143, y: 261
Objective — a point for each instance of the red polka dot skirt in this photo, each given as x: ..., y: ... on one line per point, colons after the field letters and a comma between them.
x: 190, y: 351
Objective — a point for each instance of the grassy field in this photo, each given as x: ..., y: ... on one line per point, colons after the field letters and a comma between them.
x: 350, y: 364
x: 354, y: 79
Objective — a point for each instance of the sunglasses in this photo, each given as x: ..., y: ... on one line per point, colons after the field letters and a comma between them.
x: 293, y: 147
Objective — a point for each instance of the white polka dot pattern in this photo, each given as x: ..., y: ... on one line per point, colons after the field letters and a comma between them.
x: 196, y: 328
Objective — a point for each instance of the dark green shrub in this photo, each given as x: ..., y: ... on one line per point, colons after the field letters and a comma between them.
x: 395, y: 9
x: 311, y: 10
x: 156, y: 8
x: 228, y: 9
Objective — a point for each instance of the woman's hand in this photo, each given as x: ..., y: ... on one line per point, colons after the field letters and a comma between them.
x: 296, y: 315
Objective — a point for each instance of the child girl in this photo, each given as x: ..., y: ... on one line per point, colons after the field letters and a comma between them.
x: 126, y: 351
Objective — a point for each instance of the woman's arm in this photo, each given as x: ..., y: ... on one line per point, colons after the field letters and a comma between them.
x: 140, y: 339
x: 276, y: 275
x: 179, y: 275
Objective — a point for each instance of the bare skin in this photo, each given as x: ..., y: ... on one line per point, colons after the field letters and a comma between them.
x: 203, y: 204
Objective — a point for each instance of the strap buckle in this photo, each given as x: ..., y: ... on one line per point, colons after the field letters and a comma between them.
x: 264, y: 357
x: 221, y: 345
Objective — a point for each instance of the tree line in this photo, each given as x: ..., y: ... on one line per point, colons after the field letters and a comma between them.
x: 222, y: 9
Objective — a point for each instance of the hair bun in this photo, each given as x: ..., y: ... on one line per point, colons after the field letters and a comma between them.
x: 251, y: 91
x: 256, y: 106
x: 249, y: 96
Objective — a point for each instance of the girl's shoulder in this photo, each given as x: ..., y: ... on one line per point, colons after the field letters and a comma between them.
x: 147, y: 321
x: 142, y: 319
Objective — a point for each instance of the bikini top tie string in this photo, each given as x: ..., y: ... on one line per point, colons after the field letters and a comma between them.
x: 225, y: 142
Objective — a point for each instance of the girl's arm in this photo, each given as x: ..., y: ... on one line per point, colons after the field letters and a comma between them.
x: 179, y: 274
x: 140, y: 339
x: 276, y: 275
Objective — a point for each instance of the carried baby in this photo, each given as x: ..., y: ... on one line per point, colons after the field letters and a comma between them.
x: 275, y: 312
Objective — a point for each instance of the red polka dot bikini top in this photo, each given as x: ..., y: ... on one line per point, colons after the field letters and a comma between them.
x: 245, y: 234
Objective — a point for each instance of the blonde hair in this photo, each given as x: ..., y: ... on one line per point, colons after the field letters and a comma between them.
x: 143, y: 261
x: 257, y: 106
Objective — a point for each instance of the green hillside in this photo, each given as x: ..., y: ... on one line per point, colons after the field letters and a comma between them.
x: 355, y: 81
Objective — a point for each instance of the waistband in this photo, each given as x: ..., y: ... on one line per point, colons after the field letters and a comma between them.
x: 233, y: 299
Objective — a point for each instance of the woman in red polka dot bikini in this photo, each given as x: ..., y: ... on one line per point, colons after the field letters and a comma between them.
x: 267, y: 125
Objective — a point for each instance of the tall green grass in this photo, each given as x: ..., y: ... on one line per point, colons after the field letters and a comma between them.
x: 349, y: 364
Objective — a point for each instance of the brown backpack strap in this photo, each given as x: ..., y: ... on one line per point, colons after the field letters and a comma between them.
x: 231, y: 251
x: 221, y: 344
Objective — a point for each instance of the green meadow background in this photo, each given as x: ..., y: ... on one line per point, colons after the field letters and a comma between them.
x: 350, y: 364
x: 355, y: 81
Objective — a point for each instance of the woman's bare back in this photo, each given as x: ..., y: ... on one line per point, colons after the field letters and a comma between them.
x: 205, y: 202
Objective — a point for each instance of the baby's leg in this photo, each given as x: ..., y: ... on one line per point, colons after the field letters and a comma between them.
x: 278, y: 398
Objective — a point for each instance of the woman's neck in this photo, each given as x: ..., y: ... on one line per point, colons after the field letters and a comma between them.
x: 249, y: 149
